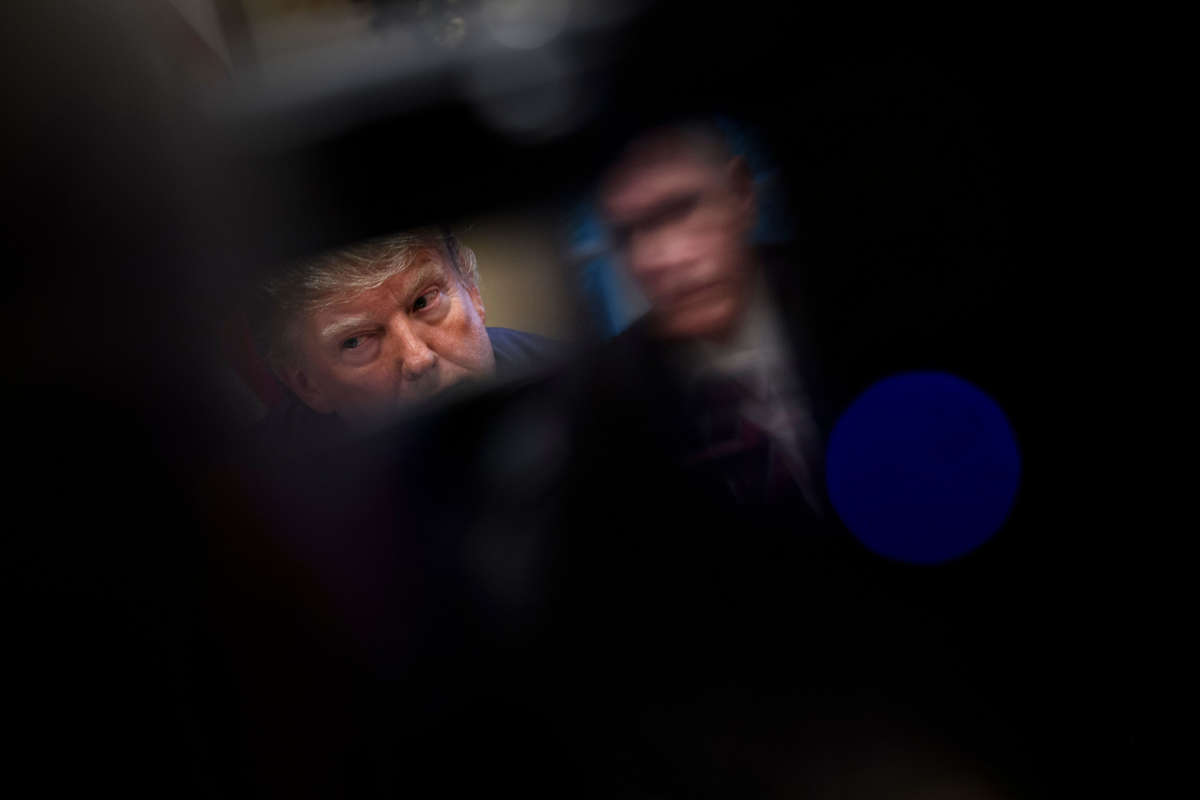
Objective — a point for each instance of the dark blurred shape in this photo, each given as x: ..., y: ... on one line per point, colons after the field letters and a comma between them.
x: 923, y: 468
x: 532, y: 70
x: 116, y: 234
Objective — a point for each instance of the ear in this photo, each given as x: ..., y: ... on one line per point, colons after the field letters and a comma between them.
x: 306, y: 389
x: 477, y: 301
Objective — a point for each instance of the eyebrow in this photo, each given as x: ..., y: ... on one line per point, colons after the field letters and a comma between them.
x: 678, y: 202
x: 425, y: 272
x: 337, y: 329
x: 420, y: 275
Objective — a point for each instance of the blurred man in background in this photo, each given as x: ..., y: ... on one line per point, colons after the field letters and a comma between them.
x: 726, y: 317
x: 360, y: 333
x: 697, y: 533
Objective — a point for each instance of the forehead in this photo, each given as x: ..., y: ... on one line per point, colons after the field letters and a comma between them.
x: 641, y: 183
x: 393, y: 290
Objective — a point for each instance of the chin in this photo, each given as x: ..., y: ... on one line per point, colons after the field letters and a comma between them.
x: 709, y: 322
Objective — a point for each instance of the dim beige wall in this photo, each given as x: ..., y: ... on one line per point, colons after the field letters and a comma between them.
x: 523, y: 274
x: 289, y: 27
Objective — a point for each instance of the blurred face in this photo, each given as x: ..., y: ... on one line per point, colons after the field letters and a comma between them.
x: 682, y: 223
x: 415, y: 335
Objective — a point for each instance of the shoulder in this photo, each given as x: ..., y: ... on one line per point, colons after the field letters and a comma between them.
x: 290, y: 427
x: 631, y: 375
x: 519, y: 352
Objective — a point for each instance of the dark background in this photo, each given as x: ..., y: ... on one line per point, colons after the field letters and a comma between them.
x: 166, y: 643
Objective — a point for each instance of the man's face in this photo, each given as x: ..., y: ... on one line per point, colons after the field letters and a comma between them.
x: 415, y: 335
x: 682, y: 223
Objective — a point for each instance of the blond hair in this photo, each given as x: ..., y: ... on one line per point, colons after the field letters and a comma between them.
x: 311, y: 284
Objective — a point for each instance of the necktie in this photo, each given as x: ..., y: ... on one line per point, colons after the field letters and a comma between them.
x: 755, y: 464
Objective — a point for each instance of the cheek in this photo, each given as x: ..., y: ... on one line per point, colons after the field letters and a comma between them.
x: 726, y: 259
x: 465, y: 344
x: 478, y: 351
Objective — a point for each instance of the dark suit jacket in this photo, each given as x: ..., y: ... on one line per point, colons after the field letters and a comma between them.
x: 632, y: 390
x: 665, y: 586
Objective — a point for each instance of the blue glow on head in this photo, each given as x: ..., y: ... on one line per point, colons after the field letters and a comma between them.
x: 923, y: 467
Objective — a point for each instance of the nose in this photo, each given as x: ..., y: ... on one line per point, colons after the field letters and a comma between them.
x: 412, y: 352
x: 655, y: 256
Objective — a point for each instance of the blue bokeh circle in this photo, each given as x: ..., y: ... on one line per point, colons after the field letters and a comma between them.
x: 923, y: 467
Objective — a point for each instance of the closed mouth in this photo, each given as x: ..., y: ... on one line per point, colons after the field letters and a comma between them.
x: 694, y: 294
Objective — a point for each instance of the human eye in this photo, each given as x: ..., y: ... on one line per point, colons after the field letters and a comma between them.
x: 358, y: 349
x: 679, y: 209
x: 426, y: 300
